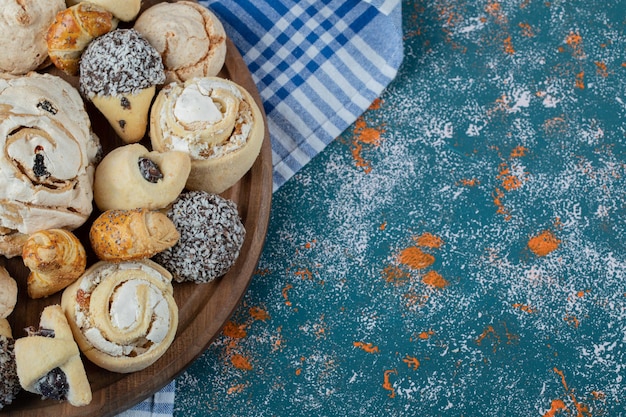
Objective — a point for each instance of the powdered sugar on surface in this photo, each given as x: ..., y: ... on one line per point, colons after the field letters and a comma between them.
x: 458, y: 251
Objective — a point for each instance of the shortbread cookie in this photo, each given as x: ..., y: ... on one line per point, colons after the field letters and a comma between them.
x: 130, y: 177
x: 119, y: 72
x: 58, y: 374
x: 217, y: 122
x: 48, y: 158
x: 189, y: 37
x: 123, y: 315
x: 23, y: 27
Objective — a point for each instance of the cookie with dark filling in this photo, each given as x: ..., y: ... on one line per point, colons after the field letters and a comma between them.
x: 59, y: 374
x: 10, y: 386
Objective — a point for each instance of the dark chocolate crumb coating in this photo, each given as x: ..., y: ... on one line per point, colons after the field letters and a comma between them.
x: 9, y: 382
x: 119, y: 62
x: 211, y: 236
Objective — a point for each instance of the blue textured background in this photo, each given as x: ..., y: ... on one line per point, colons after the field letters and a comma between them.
x: 506, y: 122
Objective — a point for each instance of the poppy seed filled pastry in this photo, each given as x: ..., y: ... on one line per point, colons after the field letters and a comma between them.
x: 217, y: 122
x: 123, y: 315
x: 58, y: 374
x: 131, y: 177
x: 48, y: 158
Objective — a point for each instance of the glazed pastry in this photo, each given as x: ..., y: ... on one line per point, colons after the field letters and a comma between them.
x: 189, y: 37
x: 56, y: 258
x: 125, y: 10
x: 71, y: 32
x: 211, y: 236
x: 58, y: 374
x: 8, y: 293
x: 123, y: 315
x: 217, y: 122
x: 119, y: 72
x: 130, y: 177
x: 23, y: 29
x: 47, y: 159
x: 10, y: 386
x: 122, y: 235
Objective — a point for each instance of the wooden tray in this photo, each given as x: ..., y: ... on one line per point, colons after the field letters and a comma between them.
x: 203, y: 308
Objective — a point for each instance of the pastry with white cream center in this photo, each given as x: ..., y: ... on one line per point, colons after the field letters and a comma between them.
x: 217, y: 122
x: 48, y: 158
x: 123, y: 315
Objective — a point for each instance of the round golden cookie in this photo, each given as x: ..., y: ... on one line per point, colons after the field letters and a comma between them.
x: 189, y: 37
x: 217, y: 122
x: 131, y: 177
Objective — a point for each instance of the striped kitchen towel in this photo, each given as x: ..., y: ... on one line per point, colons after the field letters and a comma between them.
x: 318, y: 65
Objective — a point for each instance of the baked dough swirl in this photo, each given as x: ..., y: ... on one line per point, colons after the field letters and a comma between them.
x: 123, y: 315
x: 217, y: 122
x: 48, y: 153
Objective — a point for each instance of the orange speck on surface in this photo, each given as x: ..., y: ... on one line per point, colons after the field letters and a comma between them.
x: 412, y: 362
x: 498, y: 195
x: 367, y: 347
x: 555, y: 407
x: 434, y: 279
x: 543, y: 243
x: 508, y: 46
x: 495, y: 10
x: 426, y: 335
x: 469, y: 182
x: 525, y: 308
x: 428, y: 240
x: 241, y: 362
x: 601, y: 69
x: 571, y: 320
x: 309, y: 245
x: 527, y: 30
x: 519, y: 151
x: 234, y: 331
x: 376, y: 104
x: 383, y: 226
x: 580, y: 294
x: 298, y: 371
x: 580, y: 80
x: 395, y: 275
x: 285, y: 293
x: 387, y: 382
x: 581, y: 409
x: 509, y: 181
x: 236, y: 389
x: 487, y: 332
x: 304, y: 274
x: 258, y: 313
x: 415, y: 258
x: 368, y: 135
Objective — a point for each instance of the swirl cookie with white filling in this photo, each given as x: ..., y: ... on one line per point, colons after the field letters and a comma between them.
x: 123, y: 315
x: 217, y: 122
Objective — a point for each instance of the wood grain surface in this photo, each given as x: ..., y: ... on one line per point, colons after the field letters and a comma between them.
x: 203, y: 308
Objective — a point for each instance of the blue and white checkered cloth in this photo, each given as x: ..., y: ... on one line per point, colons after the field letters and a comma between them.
x: 318, y: 65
